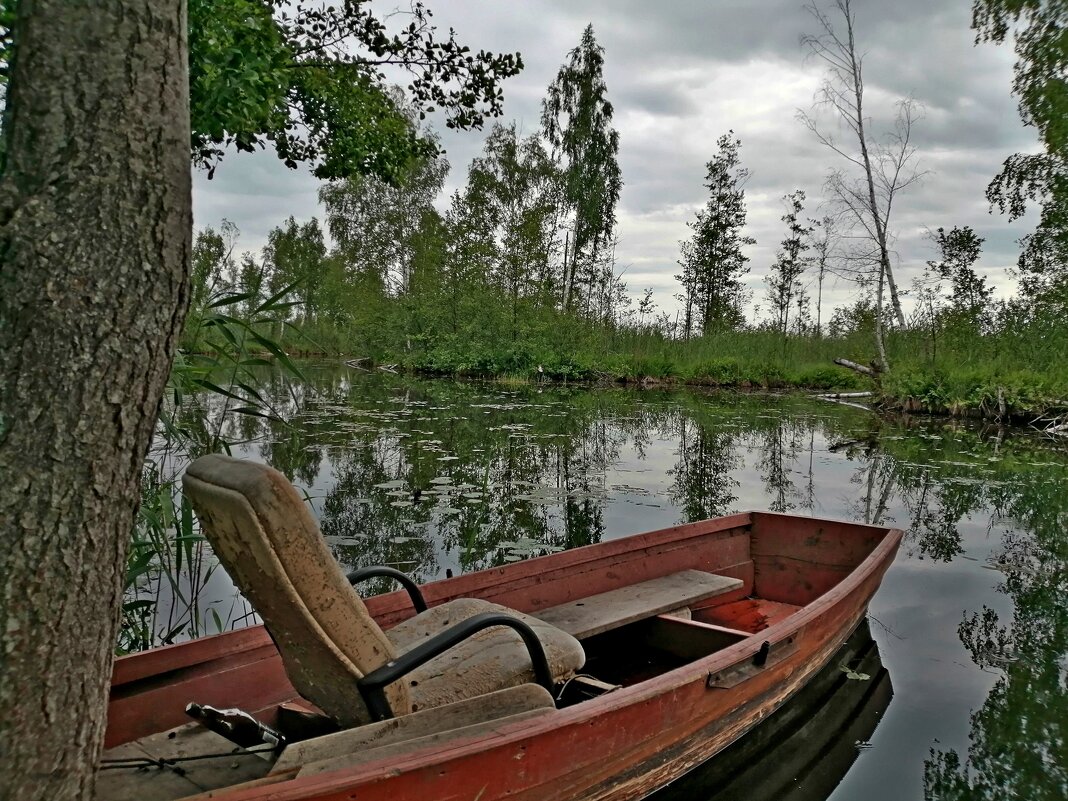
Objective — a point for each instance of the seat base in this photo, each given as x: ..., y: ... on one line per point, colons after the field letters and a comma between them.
x: 493, y: 659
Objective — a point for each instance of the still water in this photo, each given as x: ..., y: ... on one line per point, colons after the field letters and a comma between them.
x: 971, y: 622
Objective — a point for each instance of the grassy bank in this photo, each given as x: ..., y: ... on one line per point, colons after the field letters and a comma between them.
x: 1019, y: 372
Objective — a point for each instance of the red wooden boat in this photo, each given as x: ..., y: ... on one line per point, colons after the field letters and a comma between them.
x: 692, y: 635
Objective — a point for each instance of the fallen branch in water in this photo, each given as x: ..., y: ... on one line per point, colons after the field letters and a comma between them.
x: 836, y: 395
x: 845, y: 403
x: 357, y: 364
x: 1058, y: 428
x: 841, y: 446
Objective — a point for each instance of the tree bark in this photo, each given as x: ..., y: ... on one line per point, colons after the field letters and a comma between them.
x: 877, y: 218
x: 95, y: 221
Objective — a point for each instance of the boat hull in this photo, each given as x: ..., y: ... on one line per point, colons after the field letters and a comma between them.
x: 622, y: 745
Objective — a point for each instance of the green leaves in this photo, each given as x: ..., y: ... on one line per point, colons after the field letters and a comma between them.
x: 577, y: 117
x: 712, y: 260
x: 853, y: 675
x: 1041, y: 84
x: 238, y: 75
x: 306, y: 79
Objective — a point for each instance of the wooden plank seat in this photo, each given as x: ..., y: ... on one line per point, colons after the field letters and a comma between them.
x: 521, y: 700
x: 334, y: 651
x: 487, y: 730
x: 596, y: 614
x: 225, y: 765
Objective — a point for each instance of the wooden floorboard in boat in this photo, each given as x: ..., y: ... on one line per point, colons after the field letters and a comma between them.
x: 748, y: 614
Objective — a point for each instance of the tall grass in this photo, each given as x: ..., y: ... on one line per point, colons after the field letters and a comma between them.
x: 215, y: 378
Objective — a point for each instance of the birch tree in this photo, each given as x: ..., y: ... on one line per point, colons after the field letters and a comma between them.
x: 876, y: 170
x: 784, y: 285
x: 577, y: 119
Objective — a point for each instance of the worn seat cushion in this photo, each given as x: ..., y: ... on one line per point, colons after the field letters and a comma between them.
x: 272, y: 548
x: 270, y: 545
x: 493, y: 659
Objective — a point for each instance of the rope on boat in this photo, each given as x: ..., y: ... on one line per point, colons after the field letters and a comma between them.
x: 143, y: 763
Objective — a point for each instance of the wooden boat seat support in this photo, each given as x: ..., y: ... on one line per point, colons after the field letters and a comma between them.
x: 372, y: 686
x: 378, y: 571
x: 596, y: 614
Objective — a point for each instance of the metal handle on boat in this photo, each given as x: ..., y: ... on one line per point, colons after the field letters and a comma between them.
x: 768, y: 653
x: 372, y: 686
x: 364, y: 573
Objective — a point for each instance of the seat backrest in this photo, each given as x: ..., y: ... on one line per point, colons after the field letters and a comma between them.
x: 270, y: 545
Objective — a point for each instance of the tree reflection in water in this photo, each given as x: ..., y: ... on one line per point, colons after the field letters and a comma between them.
x: 429, y: 476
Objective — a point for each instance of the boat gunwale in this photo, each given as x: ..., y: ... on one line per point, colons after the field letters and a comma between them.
x: 341, y: 779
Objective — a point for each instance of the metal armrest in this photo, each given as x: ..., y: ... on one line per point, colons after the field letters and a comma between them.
x: 414, y: 593
x: 372, y: 685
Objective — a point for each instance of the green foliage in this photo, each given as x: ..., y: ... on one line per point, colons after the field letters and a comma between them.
x: 712, y: 260
x: 958, y: 251
x: 1037, y: 30
x: 720, y: 372
x: 166, y: 568
x: 306, y: 77
x: 656, y: 367
x: 380, y: 229
x: 238, y: 81
x: 296, y: 256
x: 215, y: 382
x: 513, y: 205
x: 830, y: 378
x: 212, y: 262
x: 577, y: 120
x: 784, y: 285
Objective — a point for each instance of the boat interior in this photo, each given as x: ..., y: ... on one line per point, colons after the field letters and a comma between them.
x: 338, y: 680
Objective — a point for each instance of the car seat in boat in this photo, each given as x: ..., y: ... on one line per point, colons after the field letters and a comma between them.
x: 334, y: 652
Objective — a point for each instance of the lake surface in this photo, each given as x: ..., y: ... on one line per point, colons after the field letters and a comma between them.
x: 971, y: 622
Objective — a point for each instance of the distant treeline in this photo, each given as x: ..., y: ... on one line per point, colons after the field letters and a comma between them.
x: 518, y: 278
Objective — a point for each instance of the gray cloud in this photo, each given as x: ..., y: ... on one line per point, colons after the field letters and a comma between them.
x: 680, y: 74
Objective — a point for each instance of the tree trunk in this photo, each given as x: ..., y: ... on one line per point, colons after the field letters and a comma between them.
x: 819, y: 303
x: 880, y: 339
x: 565, y: 295
x: 860, y: 368
x: 873, y: 205
x: 95, y: 220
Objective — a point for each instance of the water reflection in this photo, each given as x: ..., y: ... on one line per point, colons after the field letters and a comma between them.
x: 437, y: 476
x: 1018, y: 743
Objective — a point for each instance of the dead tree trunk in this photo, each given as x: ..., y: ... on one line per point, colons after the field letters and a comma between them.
x: 94, y: 284
x: 884, y: 173
x: 860, y: 368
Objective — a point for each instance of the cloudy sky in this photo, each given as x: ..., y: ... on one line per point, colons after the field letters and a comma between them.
x: 680, y: 73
